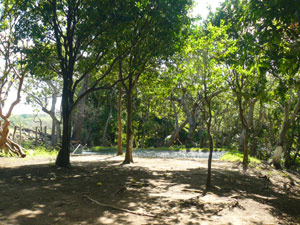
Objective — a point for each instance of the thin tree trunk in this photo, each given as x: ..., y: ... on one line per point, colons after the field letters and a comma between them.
x: 211, y: 146
x: 244, y: 126
x: 107, y: 121
x: 53, y: 136
x: 249, y: 122
x: 145, y: 119
x: 120, y: 152
x: 129, y: 134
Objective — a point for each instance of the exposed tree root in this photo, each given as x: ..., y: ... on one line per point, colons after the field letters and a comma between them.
x: 117, y: 208
x: 13, y: 149
x: 7, y: 145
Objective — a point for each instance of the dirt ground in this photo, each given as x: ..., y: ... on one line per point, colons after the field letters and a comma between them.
x: 150, y: 191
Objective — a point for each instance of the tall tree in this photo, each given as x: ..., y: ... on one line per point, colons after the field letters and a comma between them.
x: 278, y: 30
x: 156, y: 27
x: 13, y: 71
x: 81, y: 33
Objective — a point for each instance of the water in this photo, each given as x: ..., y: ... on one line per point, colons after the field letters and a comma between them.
x: 162, y: 154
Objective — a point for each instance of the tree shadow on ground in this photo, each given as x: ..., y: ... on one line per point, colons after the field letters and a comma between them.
x: 45, y: 194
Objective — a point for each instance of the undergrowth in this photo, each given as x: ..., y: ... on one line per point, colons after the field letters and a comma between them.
x: 234, y: 155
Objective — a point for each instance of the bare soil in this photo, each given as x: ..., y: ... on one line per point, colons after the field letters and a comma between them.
x: 150, y: 191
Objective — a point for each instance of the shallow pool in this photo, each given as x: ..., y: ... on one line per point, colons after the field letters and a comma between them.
x: 161, y: 153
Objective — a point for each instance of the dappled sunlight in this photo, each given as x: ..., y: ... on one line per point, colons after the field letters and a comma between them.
x: 25, y: 213
x: 158, y: 190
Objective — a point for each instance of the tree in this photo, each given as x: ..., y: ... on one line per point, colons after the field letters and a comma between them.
x: 40, y: 93
x: 204, y: 53
x: 78, y: 34
x: 13, y: 72
x: 278, y: 32
x: 155, y: 23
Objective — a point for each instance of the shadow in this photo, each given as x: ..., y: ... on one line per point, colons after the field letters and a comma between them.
x: 45, y: 194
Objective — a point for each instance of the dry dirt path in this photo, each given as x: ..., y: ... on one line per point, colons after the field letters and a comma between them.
x: 153, y: 191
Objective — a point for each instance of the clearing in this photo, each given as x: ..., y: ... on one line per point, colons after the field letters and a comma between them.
x: 153, y: 191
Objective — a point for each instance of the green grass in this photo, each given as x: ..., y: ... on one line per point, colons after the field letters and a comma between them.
x: 40, y: 151
x: 234, y: 155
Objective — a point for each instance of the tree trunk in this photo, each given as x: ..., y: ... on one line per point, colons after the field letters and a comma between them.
x: 58, y: 131
x: 246, y: 127
x: 53, y: 134
x: 190, y: 137
x: 80, y: 112
x: 281, y: 138
x: 145, y: 119
x: 245, y: 158
x: 282, y: 133
x: 211, y: 147
x: 175, y: 134
x: 249, y: 122
x: 107, y: 121
x: 129, y: 134
x: 6, y: 144
x: 120, y: 152
x: 63, y: 157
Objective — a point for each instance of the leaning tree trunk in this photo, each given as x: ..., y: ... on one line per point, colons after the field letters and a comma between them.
x: 191, y: 134
x: 129, y: 134
x: 6, y: 144
x: 175, y: 134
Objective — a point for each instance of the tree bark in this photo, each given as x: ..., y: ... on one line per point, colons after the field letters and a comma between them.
x: 211, y: 146
x: 80, y: 112
x: 120, y: 152
x: 129, y: 134
x: 190, y: 137
x: 246, y: 127
x: 53, y: 130
x: 282, y: 133
x: 107, y: 121
x: 145, y: 119
x: 249, y: 122
x: 175, y: 134
x: 63, y: 157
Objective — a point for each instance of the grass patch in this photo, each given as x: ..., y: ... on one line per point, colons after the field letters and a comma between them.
x: 103, y: 148
x: 234, y: 155
x: 40, y: 151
